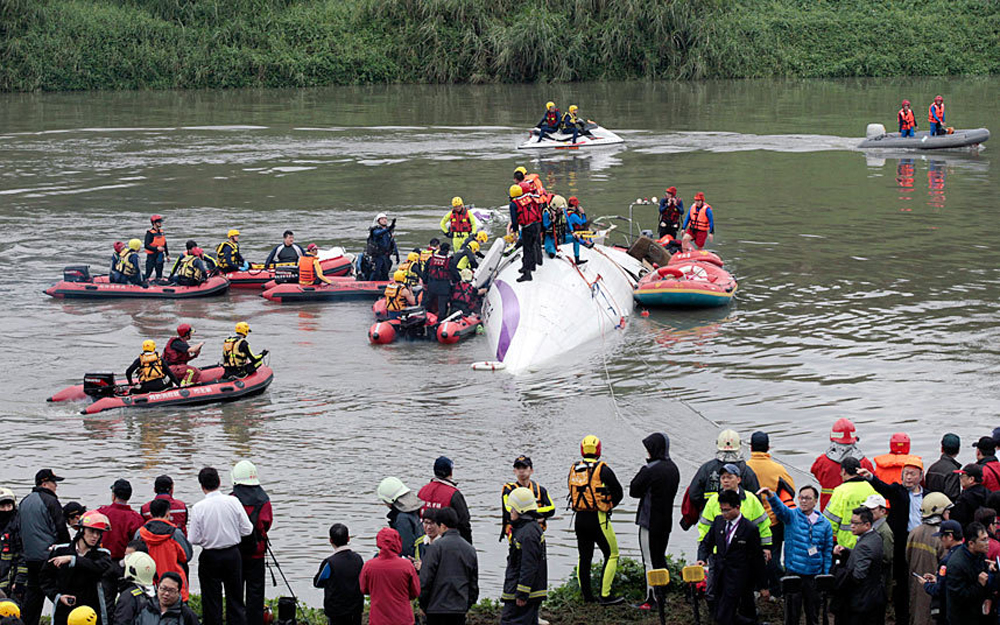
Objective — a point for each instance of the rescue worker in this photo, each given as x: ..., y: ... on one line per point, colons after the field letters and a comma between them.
x: 671, y: 211
x: 380, y: 245
x: 310, y: 269
x: 851, y: 493
x: 191, y: 244
x: 707, y: 479
x: 554, y: 225
x: 156, y: 248
x: 404, y: 514
x: 935, y: 116
x: 154, y: 375
x: 826, y: 468
x: 191, y: 268
x: 13, y: 569
x: 576, y: 222
x: 425, y: 255
x: 459, y: 223
x: 525, y: 581
x: 523, y: 470
x: 526, y: 218
x: 572, y: 123
x: 179, y: 352
x: 775, y: 478
x: 127, y: 269
x: 750, y: 507
x: 594, y: 491
x: 73, y: 575
x: 549, y: 122
x: 655, y: 486
x: 288, y: 251
x: 136, y: 587
x: 699, y: 224
x: 519, y: 179
x: 923, y: 551
x: 398, y: 296
x: 411, y: 267
x: 237, y: 357
x: 442, y: 492
x: 113, y: 275
x: 257, y: 505
x: 888, y: 467
x: 439, y: 277
x: 228, y: 253
x: 465, y: 296
x: 467, y: 256
x: 907, y: 122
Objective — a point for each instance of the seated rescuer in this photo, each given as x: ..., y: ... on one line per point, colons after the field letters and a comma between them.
x: 127, y: 268
x: 550, y: 121
x: 113, y: 275
x: 398, y: 295
x: 191, y: 269
x: 288, y: 251
x: 179, y: 352
x: 237, y: 358
x: 228, y: 253
x: 571, y: 123
x: 154, y: 374
x: 310, y: 269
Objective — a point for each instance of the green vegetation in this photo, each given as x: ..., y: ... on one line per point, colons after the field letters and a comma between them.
x: 161, y: 44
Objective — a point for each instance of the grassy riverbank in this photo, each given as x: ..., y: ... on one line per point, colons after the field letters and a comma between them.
x: 162, y: 44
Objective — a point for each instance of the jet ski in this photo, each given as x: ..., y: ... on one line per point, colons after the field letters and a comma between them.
x: 336, y: 263
x: 107, y: 393
x: 81, y: 285
x: 592, y: 135
x: 343, y: 288
x: 877, y: 137
x: 564, y: 306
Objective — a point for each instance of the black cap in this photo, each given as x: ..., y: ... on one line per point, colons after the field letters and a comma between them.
x: 974, y: 471
x: 953, y: 528
x: 522, y: 461
x: 73, y: 508
x: 443, y: 466
x: 986, y: 445
x: 122, y: 488
x: 46, y: 475
x: 759, y: 441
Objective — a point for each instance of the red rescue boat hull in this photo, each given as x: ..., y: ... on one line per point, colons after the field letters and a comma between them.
x: 101, y: 288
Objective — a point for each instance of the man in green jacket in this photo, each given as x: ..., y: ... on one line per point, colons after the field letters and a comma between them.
x: 751, y: 508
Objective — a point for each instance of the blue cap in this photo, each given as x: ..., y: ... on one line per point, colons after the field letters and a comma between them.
x: 443, y: 466
x: 950, y: 527
x: 731, y: 469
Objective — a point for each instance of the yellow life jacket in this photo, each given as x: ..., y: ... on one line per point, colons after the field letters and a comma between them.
x: 150, y: 367
x: 189, y: 270
x: 220, y: 253
x: 394, y: 298
x: 232, y: 356
x: 408, y: 267
x: 586, y: 490
x: 125, y: 266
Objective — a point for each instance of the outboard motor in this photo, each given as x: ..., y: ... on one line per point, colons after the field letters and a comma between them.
x: 98, y: 385
x: 76, y: 273
x: 874, y: 130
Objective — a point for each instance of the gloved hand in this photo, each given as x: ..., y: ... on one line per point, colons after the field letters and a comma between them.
x: 264, y: 353
x: 392, y: 224
x: 244, y: 266
x: 397, y: 258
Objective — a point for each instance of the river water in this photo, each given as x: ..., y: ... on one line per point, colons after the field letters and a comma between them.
x: 868, y: 288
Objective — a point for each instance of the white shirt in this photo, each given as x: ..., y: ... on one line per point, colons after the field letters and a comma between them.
x: 218, y: 521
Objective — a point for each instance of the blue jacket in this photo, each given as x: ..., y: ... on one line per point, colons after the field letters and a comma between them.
x: 663, y: 208
x: 801, y: 537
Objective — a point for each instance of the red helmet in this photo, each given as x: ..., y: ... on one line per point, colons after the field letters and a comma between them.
x: 899, y: 443
x: 672, y: 190
x: 843, y: 432
x: 95, y: 520
x: 906, y: 102
x: 183, y: 330
x: 938, y: 99
x: 573, y: 201
x: 155, y: 218
x: 312, y: 247
x: 699, y: 196
x: 197, y: 251
x: 119, y: 246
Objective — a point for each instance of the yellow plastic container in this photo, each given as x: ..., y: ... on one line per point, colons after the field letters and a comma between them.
x: 658, y: 577
x: 693, y: 574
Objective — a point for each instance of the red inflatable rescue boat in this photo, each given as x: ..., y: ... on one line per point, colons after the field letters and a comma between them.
x: 256, y: 277
x: 341, y: 289
x: 99, y: 287
x: 690, y: 284
x: 417, y: 324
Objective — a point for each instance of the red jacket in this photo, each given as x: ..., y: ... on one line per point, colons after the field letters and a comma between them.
x: 251, y: 497
x: 125, y: 522
x: 391, y: 581
x: 991, y: 474
x: 169, y: 555
x: 827, y: 473
x: 178, y: 512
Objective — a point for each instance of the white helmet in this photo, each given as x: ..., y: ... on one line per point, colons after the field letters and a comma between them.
x: 141, y: 567
x: 522, y: 500
x: 728, y: 440
x: 245, y: 473
x: 390, y: 489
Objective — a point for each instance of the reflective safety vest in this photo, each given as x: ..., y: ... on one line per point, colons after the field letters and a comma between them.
x: 569, y: 120
x: 172, y: 356
x: 460, y: 221
x: 889, y: 467
x: 425, y: 255
x: 587, y: 492
x: 150, y: 367
x: 220, y: 252
x: 232, y: 354
x: 750, y: 507
x: 159, y: 239
x: 125, y: 264
x: 307, y: 270
x: 699, y: 219
x: 545, y: 506
x: 464, y: 293
x: 395, y: 300
x: 187, y: 269
x: 845, y: 499
x: 936, y: 110
x: 437, y: 268
x: 535, y: 186
x: 409, y: 268
x: 906, y: 119
x: 557, y: 224
x: 552, y: 118
x: 528, y: 211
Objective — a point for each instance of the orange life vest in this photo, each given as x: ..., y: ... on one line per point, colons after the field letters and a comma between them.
x: 889, y: 467
x: 586, y: 490
x: 460, y: 221
x: 699, y: 219
x: 528, y: 211
x: 159, y: 240
x: 534, y: 183
x: 150, y: 367
x: 906, y: 118
x: 394, y: 298
x: 307, y: 270
x: 934, y: 108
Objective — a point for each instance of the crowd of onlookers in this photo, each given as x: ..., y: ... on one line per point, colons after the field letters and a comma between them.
x: 872, y: 532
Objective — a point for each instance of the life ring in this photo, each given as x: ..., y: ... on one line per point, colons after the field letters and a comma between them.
x: 694, y: 272
x: 488, y: 365
x: 669, y: 271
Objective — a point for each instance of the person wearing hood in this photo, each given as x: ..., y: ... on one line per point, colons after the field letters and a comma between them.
x: 523, y: 470
x: 390, y: 581
x: 381, y: 244
x: 135, y: 588
x: 442, y: 492
x: 288, y: 251
x: 42, y: 527
x: 167, y: 544
x: 706, y: 480
x: 13, y: 571
x: 404, y: 513
x: 655, y: 486
x: 774, y: 477
x: 525, y: 581
x: 246, y: 488
x: 924, y: 550
x: 826, y: 468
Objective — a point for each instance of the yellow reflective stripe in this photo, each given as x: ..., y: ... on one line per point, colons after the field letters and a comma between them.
x: 538, y: 593
x: 523, y: 588
x: 826, y: 491
x: 507, y: 596
x: 923, y: 547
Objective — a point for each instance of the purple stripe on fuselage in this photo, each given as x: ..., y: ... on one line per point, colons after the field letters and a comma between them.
x: 511, y: 317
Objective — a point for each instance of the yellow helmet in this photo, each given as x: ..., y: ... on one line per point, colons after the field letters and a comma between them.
x: 522, y: 500
x: 474, y: 246
x: 549, y: 104
x: 233, y: 233
x: 573, y: 108
x: 134, y: 244
x: 590, y: 446
x: 522, y: 170
x: 456, y: 202
x: 9, y: 608
x: 83, y: 615
x: 482, y: 237
x: 243, y: 328
x: 515, y: 190
x: 399, y: 275
x: 413, y: 256
x: 149, y: 345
